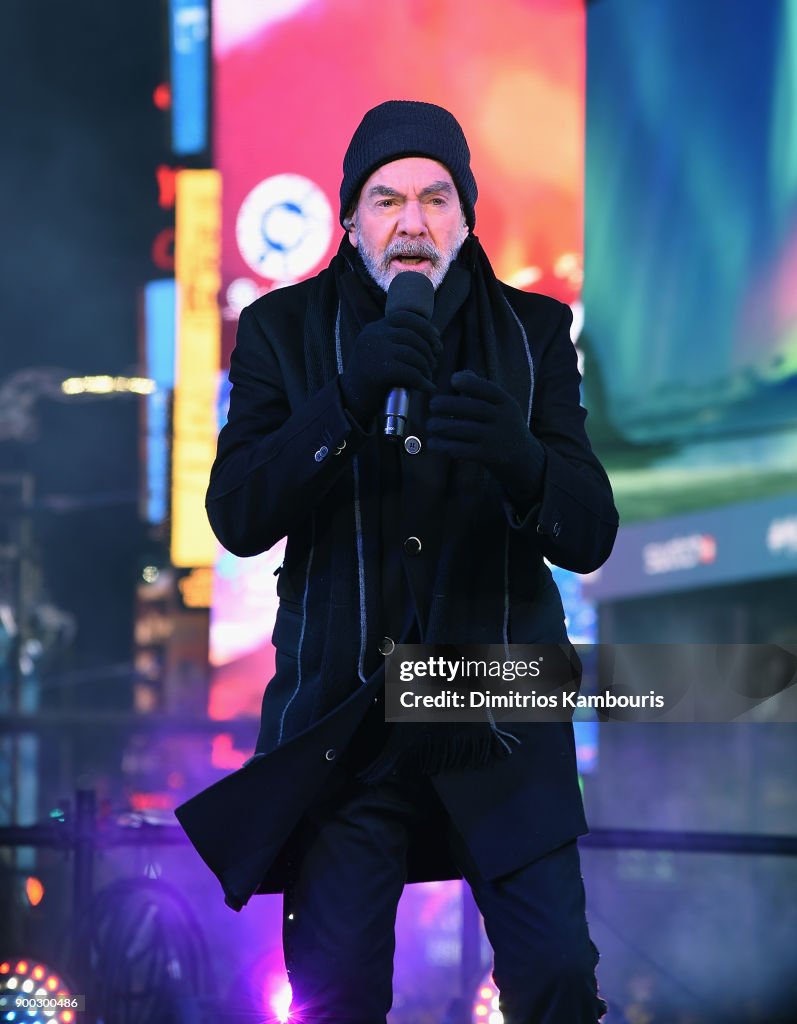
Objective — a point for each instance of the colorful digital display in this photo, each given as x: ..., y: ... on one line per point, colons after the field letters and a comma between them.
x: 196, y: 264
x: 159, y: 331
x: 690, y: 289
x: 189, y: 59
x: 292, y: 81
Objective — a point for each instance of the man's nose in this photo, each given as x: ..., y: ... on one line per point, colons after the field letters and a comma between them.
x: 412, y: 220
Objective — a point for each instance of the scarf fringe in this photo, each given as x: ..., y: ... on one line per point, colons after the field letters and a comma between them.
x: 438, y: 747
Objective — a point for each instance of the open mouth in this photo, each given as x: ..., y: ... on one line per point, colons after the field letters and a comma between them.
x: 410, y: 261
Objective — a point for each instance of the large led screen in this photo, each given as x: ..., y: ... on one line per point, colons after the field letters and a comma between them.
x: 292, y: 81
x: 690, y: 288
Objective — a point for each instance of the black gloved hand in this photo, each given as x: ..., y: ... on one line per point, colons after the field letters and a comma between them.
x: 400, y: 351
x: 486, y: 425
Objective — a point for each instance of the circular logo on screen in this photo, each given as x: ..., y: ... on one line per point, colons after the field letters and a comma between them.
x: 284, y: 227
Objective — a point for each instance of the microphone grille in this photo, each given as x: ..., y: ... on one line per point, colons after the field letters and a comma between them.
x: 411, y: 291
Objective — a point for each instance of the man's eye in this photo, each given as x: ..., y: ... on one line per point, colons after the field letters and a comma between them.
x: 385, y: 202
x: 437, y: 201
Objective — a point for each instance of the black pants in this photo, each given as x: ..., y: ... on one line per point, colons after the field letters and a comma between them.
x: 340, y: 913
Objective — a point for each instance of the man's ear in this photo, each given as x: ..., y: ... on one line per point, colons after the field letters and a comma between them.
x: 464, y: 231
x: 349, y: 223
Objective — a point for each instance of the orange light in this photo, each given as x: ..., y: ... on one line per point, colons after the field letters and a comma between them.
x: 51, y: 983
x: 67, y: 1016
x: 34, y: 891
x: 5, y: 967
x: 22, y: 967
x: 38, y: 973
x: 485, y: 992
x: 196, y: 589
x: 481, y: 1010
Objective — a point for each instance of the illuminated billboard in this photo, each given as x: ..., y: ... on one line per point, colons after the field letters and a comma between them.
x: 690, y: 290
x: 196, y: 251
x: 291, y: 82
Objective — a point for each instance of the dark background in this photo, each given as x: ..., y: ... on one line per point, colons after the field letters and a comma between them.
x: 81, y: 140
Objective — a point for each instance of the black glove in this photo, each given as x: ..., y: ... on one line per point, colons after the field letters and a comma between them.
x: 486, y: 425
x: 400, y: 351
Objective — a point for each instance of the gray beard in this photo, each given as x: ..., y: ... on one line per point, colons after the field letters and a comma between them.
x: 383, y: 273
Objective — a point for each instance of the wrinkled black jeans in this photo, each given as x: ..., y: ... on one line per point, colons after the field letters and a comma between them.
x: 340, y: 913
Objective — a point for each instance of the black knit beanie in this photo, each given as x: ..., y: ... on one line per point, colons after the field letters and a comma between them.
x: 401, y: 128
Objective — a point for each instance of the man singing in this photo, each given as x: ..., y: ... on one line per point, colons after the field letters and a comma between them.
x: 439, y: 537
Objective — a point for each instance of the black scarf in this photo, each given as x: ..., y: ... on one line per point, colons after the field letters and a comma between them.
x: 480, y: 331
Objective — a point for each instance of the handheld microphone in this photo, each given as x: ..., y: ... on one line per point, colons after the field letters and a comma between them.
x: 411, y: 291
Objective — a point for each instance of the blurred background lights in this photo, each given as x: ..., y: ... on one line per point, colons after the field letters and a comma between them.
x: 525, y: 277
x: 281, y: 1002
x: 30, y: 977
x: 162, y: 96
x: 485, y: 1006
x: 34, y: 890
x: 106, y: 385
x: 150, y: 573
x: 240, y: 293
x: 569, y: 267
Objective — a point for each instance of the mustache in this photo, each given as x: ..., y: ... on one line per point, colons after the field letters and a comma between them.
x: 417, y: 249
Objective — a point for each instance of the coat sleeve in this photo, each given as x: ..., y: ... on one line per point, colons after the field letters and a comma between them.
x: 575, y: 519
x: 274, y: 463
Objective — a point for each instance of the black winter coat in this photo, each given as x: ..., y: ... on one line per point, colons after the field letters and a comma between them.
x: 279, y: 457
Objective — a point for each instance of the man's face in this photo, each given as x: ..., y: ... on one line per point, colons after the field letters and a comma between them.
x: 408, y: 217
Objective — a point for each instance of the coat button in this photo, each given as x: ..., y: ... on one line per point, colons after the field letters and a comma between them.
x: 412, y: 545
x: 321, y: 454
x: 557, y: 529
x: 412, y: 445
x: 330, y: 754
x: 387, y: 646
